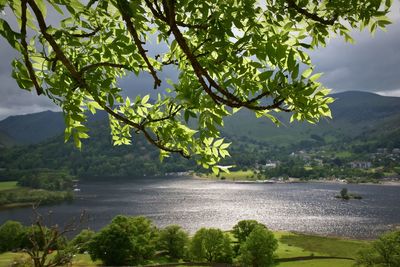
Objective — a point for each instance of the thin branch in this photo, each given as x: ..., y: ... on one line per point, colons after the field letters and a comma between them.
x: 49, y: 38
x: 105, y: 64
x: 170, y: 62
x: 131, y: 28
x: 193, y: 26
x: 25, y: 51
x: 266, y: 93
x: 143, y: 129
x: 315, y: 17
x: 171, y: 115
x: 85, y: 35
x: 155, y: 10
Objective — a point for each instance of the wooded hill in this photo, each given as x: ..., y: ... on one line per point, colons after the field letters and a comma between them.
x: 362, y: 122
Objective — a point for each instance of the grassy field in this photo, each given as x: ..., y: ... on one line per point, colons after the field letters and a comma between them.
x: 80, y: 260
x: 291, y: 246
x: 7, y: 258
x: 318, y: 263
x: 326, y: 246
x: 8, y: 185
x: 232, y: 176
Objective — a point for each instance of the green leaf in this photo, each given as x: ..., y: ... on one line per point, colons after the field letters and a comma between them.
x: 77, y: 141
x: 215, y: 170
x: 42, y: 6
x: 315, y: 77
x: 307, y: 73
x: 145, y: 99
x: 218, y: 142
x: 11, y: 36
x: 265, y: 75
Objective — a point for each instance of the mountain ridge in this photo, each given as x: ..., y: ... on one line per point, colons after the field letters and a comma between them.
x: 254, y: 140
x: 353, y: 112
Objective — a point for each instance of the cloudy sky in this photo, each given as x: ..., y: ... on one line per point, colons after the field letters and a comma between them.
x: 371, y: 64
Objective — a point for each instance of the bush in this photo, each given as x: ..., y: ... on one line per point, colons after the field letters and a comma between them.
x: 258, y: 249
x: 11, y: 234
x: 211, y: 245
x: 384, y: 252
x: 174, y: 240
x: 82, y: 240
x: 126, y: 241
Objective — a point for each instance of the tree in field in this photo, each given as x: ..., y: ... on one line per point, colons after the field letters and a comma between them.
x: 125, y: 241
x: 11, y: 233
x: 258, y: 249
x: 384, y: 252
x: 242, y: 230
x: 174, y: 240
x: 47, y: 246
x: 211, y: 245
x: 229, y: 55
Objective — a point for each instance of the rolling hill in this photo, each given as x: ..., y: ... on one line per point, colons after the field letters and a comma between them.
x: 354, y: 114
x: 360, y: 119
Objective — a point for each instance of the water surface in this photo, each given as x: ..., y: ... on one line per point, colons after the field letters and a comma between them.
x: 191, y: 203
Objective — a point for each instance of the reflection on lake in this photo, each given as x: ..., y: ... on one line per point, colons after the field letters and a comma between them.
x: 196, y: 203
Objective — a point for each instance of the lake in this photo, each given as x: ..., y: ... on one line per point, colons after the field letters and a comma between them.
x: 192, y: 203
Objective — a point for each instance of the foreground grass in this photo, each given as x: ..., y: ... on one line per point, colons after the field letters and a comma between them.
x: 7, y: 258
x: 8, y: 185
x: 295, y: 250
x: 324, y: 246
x: 318, y: 263
x: 80, y: 260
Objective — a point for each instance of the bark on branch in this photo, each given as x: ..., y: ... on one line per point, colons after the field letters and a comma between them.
x: 315, y: 17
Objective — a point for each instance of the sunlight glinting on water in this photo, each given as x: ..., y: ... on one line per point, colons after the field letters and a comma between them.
x: 310, y: 208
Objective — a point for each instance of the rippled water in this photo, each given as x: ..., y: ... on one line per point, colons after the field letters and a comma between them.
x: 196, y: 203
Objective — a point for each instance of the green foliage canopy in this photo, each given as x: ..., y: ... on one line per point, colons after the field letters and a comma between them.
x: 384, y: 252
x: 211, y: 245
x: 174, y: 240
x: 125, y: 241
x: 230, y: 55
x: 243, y: 228
x: 11, y: 233
x: 82, y: 241
x: 258, y: 249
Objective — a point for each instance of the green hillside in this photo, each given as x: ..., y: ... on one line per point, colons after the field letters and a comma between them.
x: 354, y: 114
x: 362, y: 123
x: 5, y: 140
x: 32, y: 128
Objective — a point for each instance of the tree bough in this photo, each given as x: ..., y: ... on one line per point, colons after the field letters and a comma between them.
x: 229, y: 55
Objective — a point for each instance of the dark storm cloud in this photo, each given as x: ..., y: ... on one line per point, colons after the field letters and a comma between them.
x: 372, y: 64
x: 14, y: 101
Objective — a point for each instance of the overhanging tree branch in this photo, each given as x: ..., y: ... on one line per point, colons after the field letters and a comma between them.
x: 229, y: 98
x: 82, y: 83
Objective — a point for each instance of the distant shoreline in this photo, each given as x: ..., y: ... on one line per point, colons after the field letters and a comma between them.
x: 291, y: 181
